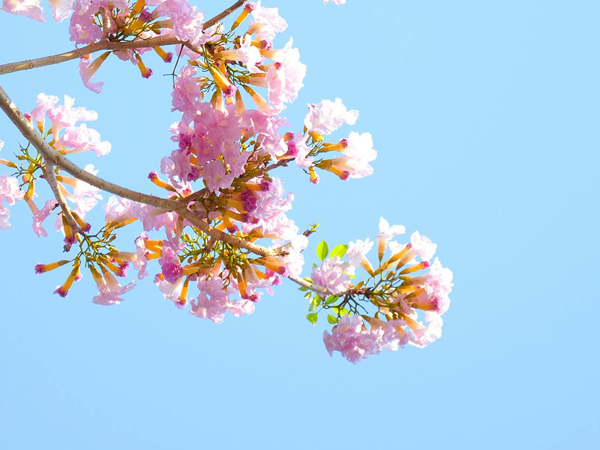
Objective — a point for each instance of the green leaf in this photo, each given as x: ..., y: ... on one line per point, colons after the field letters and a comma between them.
x: 340, y: 311
x: 339, y: 251
x: 314, y: 303
x: 322, y: 250
x: 331, y: 299
x: 312, y: 318
x: 332, y: 319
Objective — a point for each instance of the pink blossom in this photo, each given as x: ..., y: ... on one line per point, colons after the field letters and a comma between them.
x: 170, y: 262
x: 359, y: 153
x: 43, y: 105
x: 61, y: 9
x: 119, y: 209
x: 9, y: 191
x: 67, y: 116
x: 216, y: 177
x: 327, y: 116
x: 187, y: 94
x: 187, y: 21
x: 83, y: 29
x: 110, y: 291
x: 270, y: 22
x: 271, y: 202
x: 214, y: 301
x: 425, y: 335
x: 299, y: 150
x: 154, y: 218
x: 438, y: 285
x: 387, y: 232
x: 332, y: 275
x: 353, y: 340
x: 80, y: 139
x: 40, y: 215
x: 27, y: 8
x: 179, y: 169
x: 170, y: 291
x: 440, y: 278
x: 246, y: 53
x: 84, y: 196
x: 4, y: 217
x: 140, y: 261
x: 357, y: 252
x: 422, y: 246
x: 87, y: 73
x: 285, y: 77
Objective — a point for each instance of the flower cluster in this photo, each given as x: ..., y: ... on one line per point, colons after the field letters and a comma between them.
x: 401, y: 301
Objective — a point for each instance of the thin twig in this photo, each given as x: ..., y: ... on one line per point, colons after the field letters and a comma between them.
x: 209, y: 23
x: 50, y: 178
x: 308, y: 285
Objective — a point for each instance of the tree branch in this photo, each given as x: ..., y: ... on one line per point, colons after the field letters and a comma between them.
x: 107, y: 45
x: 224, y: 14
x: 88, y: 49
x: 105, y: 23
x: 55, y: 158
x: 308, y: 285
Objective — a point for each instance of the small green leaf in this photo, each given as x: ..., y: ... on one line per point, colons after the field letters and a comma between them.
x: 322, y: 250
x: 339, y: 251
x: 332, y: 319
x: 340, y: 311
x: 331, y: 299
x: 312, y: 318
x: 314, y: 303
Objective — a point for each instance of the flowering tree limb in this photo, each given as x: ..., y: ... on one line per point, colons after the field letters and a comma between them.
x: 224, y: 219
x: 105, y: 44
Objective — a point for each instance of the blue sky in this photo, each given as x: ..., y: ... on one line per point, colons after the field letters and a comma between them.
x: 485, y: 117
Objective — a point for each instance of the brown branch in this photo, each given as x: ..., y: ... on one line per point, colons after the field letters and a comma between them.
x: 308, y: 285
x: 105, y: 23
x: 107, y: 45
x: 55, y: 158
x: 88, y: 49
x: 224, y: 14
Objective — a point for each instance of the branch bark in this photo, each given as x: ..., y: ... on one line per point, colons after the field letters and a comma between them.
x: 55, y: 158
x: 107, y: 45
